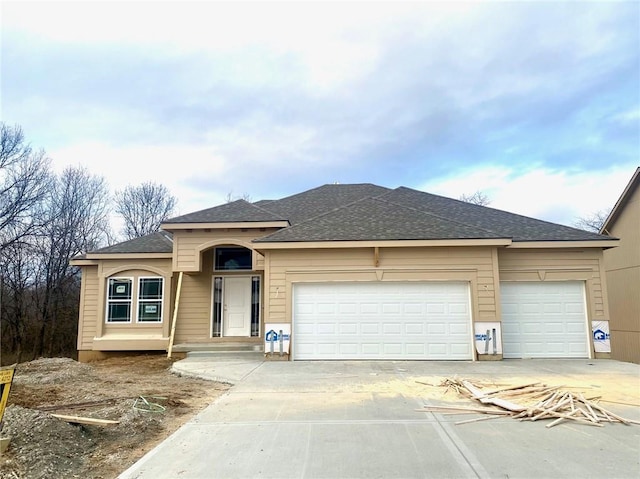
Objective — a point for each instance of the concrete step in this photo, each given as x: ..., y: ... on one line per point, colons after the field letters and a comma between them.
x: 218, y: 347
x: 258, y: 355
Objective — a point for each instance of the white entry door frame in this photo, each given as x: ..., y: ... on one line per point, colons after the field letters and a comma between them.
x: 236, y: 317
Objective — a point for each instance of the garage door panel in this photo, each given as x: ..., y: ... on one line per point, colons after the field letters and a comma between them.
x: 372, y: 349
x: 390, y: 308
x: 458, y: 329
x: 326, y: 328
x: 573, y: 308
x: 348, y: 348
x: 369, y: 308
x: 553, y: 327
x: 392, y: 328
x: 458, y: 308
x: 544, y: 320
x: 412, y: 309
x: 436, y: 329
x: 412, y: 320
x: 416, y: 329
x: 461, y: 348
x: 416, y: 349
x: 370, y: 328
x: 392, y: 349
x: 552, y: 308
x: 348, y: 328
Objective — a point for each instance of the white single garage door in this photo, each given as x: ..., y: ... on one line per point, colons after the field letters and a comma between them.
x: 410, y: 320
x: 544, y: 320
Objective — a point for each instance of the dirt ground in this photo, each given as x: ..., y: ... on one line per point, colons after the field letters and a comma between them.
x: 43, y: 446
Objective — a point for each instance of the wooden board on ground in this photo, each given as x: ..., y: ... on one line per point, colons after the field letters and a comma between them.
x: 91, y: 421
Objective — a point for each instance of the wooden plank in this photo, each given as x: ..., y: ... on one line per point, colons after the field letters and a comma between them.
x: 92, y: 421
x: 464, y: 408
x: 495, y: 401
x: 175, y: 316
x: 478, y: 419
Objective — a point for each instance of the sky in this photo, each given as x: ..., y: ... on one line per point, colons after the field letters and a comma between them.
x: 536, y: 104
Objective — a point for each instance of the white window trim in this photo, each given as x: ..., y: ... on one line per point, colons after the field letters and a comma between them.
x: 109, y: 301
x: 139, y: 300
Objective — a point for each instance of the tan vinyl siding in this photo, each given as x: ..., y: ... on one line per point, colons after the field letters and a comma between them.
x: 194, y: 314
x: 88, y: 307
x: 627, y: 228
x: 559, y: 265
x: 194, y: 321
x: 625, y: 346
x: 623, y: 282
x: 188, y: 245
x: 472, y: 264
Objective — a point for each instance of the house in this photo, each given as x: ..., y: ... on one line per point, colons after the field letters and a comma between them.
x: 353, y: 271
x: 622, y: 266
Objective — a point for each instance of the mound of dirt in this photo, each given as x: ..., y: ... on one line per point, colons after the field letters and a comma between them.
x: 140, y: 392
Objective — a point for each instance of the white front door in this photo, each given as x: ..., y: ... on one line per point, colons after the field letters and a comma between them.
x: 237, y: 306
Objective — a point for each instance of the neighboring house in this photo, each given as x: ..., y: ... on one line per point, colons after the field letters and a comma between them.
x: 356, y: 272
x: 622, y: 266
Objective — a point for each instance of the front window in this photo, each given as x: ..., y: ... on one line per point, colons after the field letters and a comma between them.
x: 119, y: 300
x: 145, y: 301
x: 232, y: 258
x: 150, y: 300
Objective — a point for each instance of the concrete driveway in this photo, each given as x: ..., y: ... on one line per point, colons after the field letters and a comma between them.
x: 359, y: 420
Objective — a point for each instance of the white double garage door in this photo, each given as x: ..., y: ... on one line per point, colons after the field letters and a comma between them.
x: 432, y: 320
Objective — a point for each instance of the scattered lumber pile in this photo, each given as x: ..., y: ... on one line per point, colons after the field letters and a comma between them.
x: 527, y: 402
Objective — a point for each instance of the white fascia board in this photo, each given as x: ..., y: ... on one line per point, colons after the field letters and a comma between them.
x: 612, y: 243
x: 381, y: 244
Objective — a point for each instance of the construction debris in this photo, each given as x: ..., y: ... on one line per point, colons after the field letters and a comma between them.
x: 91, y: 421
x: 528, y: 402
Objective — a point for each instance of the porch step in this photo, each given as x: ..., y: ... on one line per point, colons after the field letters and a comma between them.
x: 257, y: 355
x: 222, y: 348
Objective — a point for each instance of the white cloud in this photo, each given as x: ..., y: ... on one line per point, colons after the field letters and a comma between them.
x: 543, y: 193
x: 173, y: 166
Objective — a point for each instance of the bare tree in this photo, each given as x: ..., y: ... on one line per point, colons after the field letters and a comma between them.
x: 24, y: 181
x: 17, y: 285
x: 231, y: 197
x: 592, y: 222
x: 78, y: 217
x: 477, y: 198
x: 143, y: 208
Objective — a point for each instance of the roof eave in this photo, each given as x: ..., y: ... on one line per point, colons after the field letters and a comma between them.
x: 97, y: 256
x: 225, y: 225
x: 603, y: 243
x: 275, y: 245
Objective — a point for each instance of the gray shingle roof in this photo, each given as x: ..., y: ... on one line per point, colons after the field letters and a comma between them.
x: 362, y: 212
x: 159, y: 242
x: 236, y: 211
x: 508, y: 225
x: 377, y: 219
x: 318, y: 201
